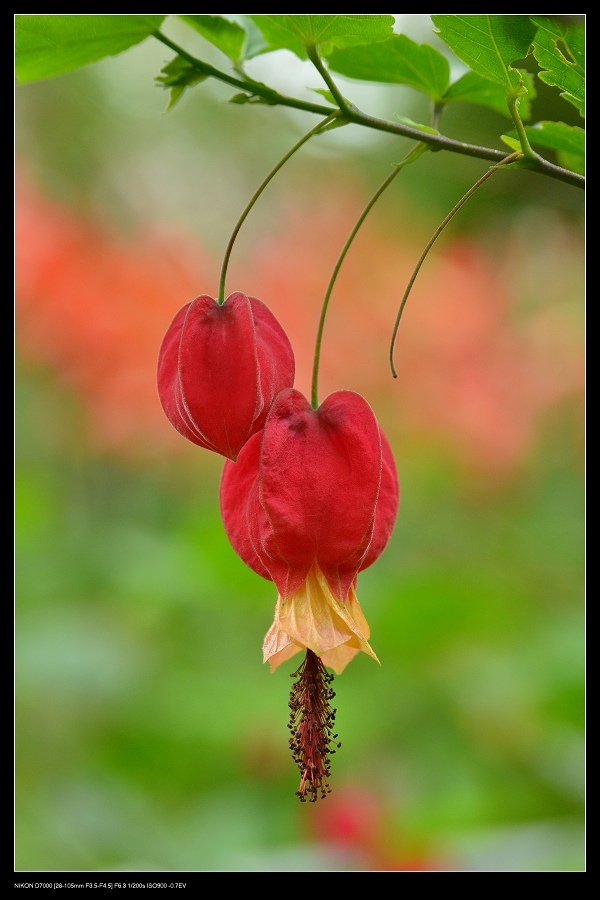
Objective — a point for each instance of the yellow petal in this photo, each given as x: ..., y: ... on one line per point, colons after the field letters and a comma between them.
x: 277, y: 645
x: 283, y: 655
x: 313, y: 618
x: 338, y: 658
x: 275, y: 640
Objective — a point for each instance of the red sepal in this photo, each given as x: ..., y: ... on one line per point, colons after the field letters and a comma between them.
x: 219, y: 369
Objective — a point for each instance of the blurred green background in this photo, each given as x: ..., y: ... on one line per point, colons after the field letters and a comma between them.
x: 149, y: 736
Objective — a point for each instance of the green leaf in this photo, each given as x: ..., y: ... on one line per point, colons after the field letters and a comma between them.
x: 229, y: 37
x: 297, y: 33
x: 473, y: 88
x: 568, y: 141
x: 178, y: 75
x: 512, y: 142
x: 489, y: 44
x: 47, y: 46
x: 255, y: 42
x: 241, y: 99
x: 327, y: 95
x: 560, y: 51
x: 418, y: 125
x: 398, y: 60
x: 574, y: 162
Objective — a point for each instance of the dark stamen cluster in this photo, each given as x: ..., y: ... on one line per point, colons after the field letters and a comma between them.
x: 311, y: 723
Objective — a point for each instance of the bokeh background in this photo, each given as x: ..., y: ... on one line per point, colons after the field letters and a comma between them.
x: 149, y: 736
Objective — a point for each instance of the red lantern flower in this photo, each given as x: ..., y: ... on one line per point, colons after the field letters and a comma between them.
x: 219, y: 369
x: 309, y: 503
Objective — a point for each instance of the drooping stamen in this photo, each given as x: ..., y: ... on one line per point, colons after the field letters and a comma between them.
x: 311, y: 723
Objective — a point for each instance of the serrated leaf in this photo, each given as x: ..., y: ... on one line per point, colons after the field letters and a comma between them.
x: 297, y: 33
x: 225, y: 35
x: 178, y: 75
x: 568, y: 141
x: 473, y: 88
x: 489, y: 44
x: 51, y: 45
x: 398, y: 60
x: 560, y: 51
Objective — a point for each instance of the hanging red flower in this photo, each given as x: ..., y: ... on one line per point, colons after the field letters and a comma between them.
x: 219, y: 369
x: 309, y: 503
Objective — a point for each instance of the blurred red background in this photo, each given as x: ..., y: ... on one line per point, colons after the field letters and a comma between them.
x: 473, y: 369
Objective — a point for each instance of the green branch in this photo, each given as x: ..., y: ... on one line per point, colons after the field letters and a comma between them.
x: 351, y: 114
x: 255, y: 88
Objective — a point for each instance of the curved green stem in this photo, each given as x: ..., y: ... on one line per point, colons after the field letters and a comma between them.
x: 256, y: 195
x: 508, y: 159
x: 410, y: 157
x: 313, y: 55
x: 528, y: 153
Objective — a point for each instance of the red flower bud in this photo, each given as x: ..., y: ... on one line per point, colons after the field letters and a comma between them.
x: 310, y: 503
x: 220, y: 368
